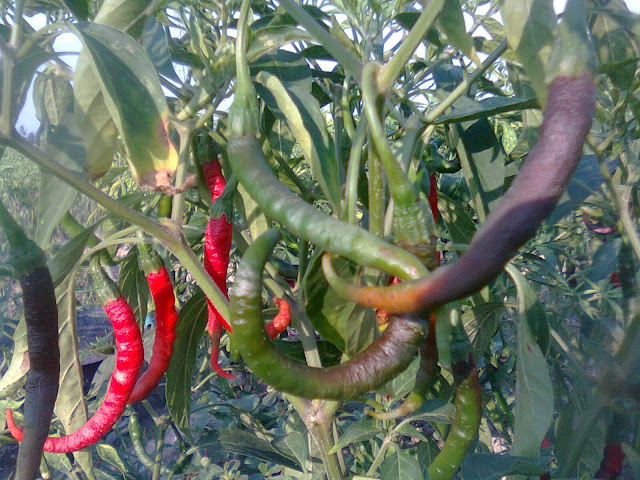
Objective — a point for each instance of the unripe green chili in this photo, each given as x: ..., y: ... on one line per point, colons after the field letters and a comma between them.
x: 130, y: 355
x: 41, y: 318
x: 166, y: 321
x: 530, y: 199
x: 135, y: 434
x: 468, y: 403
x: 387, y: 356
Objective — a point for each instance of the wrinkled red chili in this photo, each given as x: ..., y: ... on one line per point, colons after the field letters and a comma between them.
x: 281, y: 321
x: 129, y: 358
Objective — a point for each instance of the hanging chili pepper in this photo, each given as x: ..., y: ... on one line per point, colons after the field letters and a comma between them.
x: 281, y: 321
x: 166, y: 320
x: 41, y: 318
x: 386, y: 357
x: 217, y: 245
x: 135, y: 434
x: 468, y: 403
x: 130, y: 355
x: 531, y: 197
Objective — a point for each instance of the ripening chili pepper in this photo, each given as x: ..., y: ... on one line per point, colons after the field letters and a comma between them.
x: 281, y: 321
x: 166, y: 320
x: 217, y: 245
x: 425, y: 378
x: 129, y: 358
x: 41, y: 318
x: 531, y: 197
x: 386, y: 357
x: 611, y: 465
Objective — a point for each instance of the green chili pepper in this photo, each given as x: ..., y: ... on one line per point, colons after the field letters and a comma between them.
x: 386, y: 357
x: 464, y: 428
x: 468, y: 403
x: 135, y: 434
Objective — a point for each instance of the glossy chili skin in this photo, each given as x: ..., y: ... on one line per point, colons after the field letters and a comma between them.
x: 41, y: 318
x: 129, y: 359
x: 386, y: 357
x: 166, y: 321
x: 530, y: 199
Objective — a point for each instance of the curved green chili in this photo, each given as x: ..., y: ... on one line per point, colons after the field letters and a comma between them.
x: 135, y: 434
x: 468, y: 403
x: 530, y: 199
x: 41, y: 318
x: 387, y: 356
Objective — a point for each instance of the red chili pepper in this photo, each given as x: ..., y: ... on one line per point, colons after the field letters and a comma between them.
x: 166, y: 320
x: 217, y: 245
x: 281, y: 321
x: 128, y: 362
x: 611, y: 465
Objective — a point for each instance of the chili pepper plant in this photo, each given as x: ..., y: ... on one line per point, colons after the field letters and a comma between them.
x: 350, y: 239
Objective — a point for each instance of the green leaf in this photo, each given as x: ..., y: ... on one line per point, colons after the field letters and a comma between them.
x: 99, y: 132
x: 494, y: 467
x: 307, y: 123
x: 71, y: 407
x: 156, y: 43
x: 348, y: 326
x: 287, y: 66
x: 452, y: 23
x: 487, y: 108
x: 357, y: 432
x: 245, y: 443
x: 483, y: 163
x: 133, y: 285
x: 67, y: 257
x: 135, y: 100
x: 530, y: 27
x: 298, y: 444
x: 192, y: 321
x: 268, y: 39
x: 15, y: 375
x: 456, y: 218
x: 400, y: 466
x: 534, y: 390
x: 110, y: 454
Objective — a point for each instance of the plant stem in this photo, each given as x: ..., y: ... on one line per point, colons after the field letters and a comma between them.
x: 167, y: 233
x: 392, y: 69
x: 353, y: 171
x: 185, y: 133
x: 318, y: 417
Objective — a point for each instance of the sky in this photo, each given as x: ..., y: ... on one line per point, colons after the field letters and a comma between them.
x: 67, y: 42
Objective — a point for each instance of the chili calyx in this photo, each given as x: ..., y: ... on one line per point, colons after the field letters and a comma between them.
x: 129, y: 359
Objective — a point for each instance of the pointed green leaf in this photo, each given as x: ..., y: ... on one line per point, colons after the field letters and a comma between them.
x: 400, y: 466
x: 135, y: 100
x: 15, y: 375
x: 452, y: 23
x: 534, y: 390
x: 357, y: 432
x: 71, y: 407
x: 133, y: 285
x: 308, y: 126
x: 192, y: 321
x: 66, y: 258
